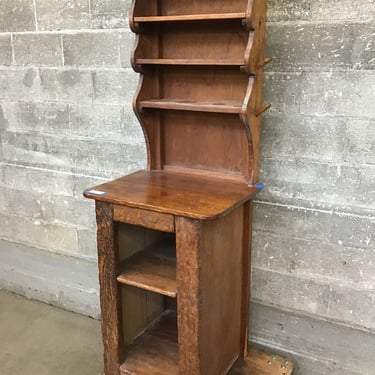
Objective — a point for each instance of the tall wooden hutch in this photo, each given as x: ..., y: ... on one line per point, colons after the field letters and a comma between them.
x: 174, y: 241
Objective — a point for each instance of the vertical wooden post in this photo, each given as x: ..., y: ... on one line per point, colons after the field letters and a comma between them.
x: 246, y: 275
x: 110, y: 292
x: 188, y: 299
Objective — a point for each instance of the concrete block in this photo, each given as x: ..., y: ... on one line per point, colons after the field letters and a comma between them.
x: 108, y: 159
x: 360, y: 139
x: 356, y: 185
x: 83, y: 156
x: 109, y: 122
x: 19, y: 84
x: 349, y: 186
x: 115, y: 87
x: 17, y: 15
x: 283, y: 90
x: 87, y: 242
x: 62, y: 281
x: 110, y: 14
x: 325, y: 226
x: 39, y: 234
x: 317, y: 297
x: 338, y: 10
x: 307, y: 137
x: 68, y: 85
x: 6, y: 50
x: 38, y: 49
x: 338, y: 94
x: 37, y: 180
x: 63, y: 14
x: 353, y: 306
x: 317, y: 346
x: 364, y: 47
x: 127, y: 46
x: 313, y: 47
x: 288, y: 10
x: 4, y: 122
x: 351, y: 266
x: 291, y: 292
x: 53, y: 209
x: 35, y: 150
x: 26, y: 116
x: 92, y: 49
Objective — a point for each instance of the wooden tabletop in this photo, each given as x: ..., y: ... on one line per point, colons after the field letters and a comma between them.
x: 196, y: 197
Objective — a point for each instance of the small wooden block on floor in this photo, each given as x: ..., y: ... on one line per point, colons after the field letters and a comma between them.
x: 262, y: 363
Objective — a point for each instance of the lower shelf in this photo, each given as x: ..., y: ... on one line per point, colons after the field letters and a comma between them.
x: 156, y: 352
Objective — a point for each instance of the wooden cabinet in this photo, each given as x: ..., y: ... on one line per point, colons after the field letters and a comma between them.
x: 174, y: 241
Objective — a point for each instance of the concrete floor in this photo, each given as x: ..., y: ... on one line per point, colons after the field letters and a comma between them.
x: 38, y: 339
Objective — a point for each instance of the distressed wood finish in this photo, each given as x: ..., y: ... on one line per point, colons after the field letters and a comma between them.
x: 246, y: 278
x: 110, y: 293
x: 188, y: 238
x: 144, y: 218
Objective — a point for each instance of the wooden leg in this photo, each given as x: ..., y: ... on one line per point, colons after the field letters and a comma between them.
x: 188, y: 298
x: 246, y: 273
x: 110, y: 292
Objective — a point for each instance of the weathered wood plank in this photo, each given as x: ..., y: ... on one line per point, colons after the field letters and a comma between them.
x: 110, y: 293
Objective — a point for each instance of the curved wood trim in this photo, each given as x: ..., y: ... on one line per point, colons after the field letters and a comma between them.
x: 246, y: 121
x: 249, y: 63
x: 249, y: 15
x: 133, y: 59
x: 134, y: 26
x: 137, y: 111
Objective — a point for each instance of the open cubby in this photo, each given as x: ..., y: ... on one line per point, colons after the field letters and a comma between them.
x: 174, y: 241
x: 224, y: 43
x: 153, y: 268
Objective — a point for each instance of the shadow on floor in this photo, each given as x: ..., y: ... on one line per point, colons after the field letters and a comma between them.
x: 38, y: 339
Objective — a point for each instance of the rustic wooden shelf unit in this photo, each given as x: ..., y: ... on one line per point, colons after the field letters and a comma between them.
x: 174, y: 241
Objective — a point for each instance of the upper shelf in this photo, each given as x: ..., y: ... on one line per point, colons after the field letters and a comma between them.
x: 192, y: 17
x: 224, y: 106
x: 218, y: 62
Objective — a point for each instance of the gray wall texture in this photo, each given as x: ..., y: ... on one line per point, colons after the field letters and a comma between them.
x: 66, y: 124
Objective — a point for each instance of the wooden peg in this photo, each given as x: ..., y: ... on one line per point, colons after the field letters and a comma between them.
x: 262, y: 109
x: 264, y: 62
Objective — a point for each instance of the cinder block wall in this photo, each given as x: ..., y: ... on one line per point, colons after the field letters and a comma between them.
x: 66, y: 123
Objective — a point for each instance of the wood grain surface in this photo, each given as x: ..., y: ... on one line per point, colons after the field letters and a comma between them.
x: 153, y: 269
x: 179, y: 194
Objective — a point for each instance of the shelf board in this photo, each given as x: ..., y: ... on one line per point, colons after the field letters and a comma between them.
x: 156, y: 350
x: 192, y: 17
x: 208, y: 62
x: 185, y: 105
x: 153, y: 269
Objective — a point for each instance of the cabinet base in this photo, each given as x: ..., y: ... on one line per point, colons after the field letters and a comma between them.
x: 259, y: 363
